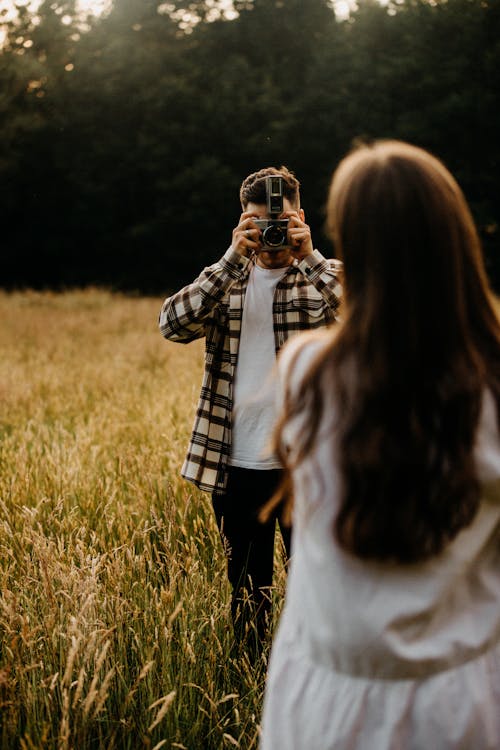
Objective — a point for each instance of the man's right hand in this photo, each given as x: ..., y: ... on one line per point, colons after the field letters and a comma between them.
x: 246, y: 236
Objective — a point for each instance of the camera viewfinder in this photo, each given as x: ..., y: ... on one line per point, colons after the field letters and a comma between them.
x: 275, y: 195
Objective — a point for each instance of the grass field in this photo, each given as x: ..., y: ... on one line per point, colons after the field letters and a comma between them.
x: 114, y: 612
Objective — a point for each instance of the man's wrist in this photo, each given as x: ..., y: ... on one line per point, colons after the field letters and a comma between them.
x: 235, y: 258
x: 312, y: 264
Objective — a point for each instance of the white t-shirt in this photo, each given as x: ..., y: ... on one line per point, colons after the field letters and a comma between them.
x: 254, y: 390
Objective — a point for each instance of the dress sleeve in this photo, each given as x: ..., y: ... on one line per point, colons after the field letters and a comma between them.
x: 294, y: 360
x: 487, y: 447
x: 296, y: 356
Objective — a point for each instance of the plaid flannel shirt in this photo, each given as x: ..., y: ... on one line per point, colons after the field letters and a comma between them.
x: 306, y: 297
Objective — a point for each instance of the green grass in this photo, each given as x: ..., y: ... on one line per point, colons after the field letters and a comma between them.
x: 115, y: 627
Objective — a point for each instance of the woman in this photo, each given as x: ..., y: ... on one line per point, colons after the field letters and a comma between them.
x: 390, y: 633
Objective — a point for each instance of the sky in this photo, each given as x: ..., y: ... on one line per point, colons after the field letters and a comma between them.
x: 97, y: 7
x: 92, y: 7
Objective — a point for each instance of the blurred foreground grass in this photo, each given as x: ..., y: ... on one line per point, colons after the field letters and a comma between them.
x: 114, y: 614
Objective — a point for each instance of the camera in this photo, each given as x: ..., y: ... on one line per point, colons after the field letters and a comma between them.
x: 274, y: 230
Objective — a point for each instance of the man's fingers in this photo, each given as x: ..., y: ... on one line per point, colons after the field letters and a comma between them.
x: 246, y: 237
x: 252, y: 234
x: 298, y: 236
x: 251, y: 237
x: 293, y: 216
x: 246, y: 223
x: 245, y: 216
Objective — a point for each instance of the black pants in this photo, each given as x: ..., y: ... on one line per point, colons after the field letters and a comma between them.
x: 250, y: 542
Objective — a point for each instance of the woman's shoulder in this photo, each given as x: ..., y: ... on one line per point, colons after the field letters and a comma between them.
x: 300, y: 351
x: 487, y: 444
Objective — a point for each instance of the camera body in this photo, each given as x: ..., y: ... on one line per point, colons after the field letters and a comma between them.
x: 274, y: 230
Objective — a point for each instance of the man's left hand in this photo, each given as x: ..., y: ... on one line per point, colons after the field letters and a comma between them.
x: 299, y: 235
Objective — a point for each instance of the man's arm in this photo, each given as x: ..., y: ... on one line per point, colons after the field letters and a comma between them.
x: 183, y: 315
x: 325, y: 276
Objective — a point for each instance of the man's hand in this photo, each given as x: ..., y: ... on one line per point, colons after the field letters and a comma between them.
x: 246, y: 236
x: 299, y: 235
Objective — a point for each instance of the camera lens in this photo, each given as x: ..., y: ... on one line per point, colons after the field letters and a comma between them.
x: 274, y: 236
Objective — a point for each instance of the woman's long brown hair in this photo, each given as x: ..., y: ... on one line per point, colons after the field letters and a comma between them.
x: 409, y: 364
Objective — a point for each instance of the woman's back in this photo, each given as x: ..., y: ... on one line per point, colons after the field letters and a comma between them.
x: 385, y: 656
x: 390, y: 620
x: 389, y: 433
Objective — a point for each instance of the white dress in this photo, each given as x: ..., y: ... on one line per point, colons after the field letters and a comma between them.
x: 372, y: 656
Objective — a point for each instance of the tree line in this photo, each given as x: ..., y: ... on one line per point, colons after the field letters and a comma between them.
x: 124, y: 138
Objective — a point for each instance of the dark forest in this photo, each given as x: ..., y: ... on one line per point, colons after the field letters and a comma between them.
x: 124, y: 138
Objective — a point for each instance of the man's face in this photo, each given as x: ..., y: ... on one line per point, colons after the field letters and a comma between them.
x: 271, y: 258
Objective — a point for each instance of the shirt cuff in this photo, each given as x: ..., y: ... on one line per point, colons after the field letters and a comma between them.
x: 235, y: 259
x: 313, y: 265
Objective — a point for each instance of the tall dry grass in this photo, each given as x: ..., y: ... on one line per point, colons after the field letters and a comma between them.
x: 114, y: 614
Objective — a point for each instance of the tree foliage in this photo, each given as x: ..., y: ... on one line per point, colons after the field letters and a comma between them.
x: 124, y: 138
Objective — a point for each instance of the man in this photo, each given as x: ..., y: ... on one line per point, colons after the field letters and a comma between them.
x: 246, y: 306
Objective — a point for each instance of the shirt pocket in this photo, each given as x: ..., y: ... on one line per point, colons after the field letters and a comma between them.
x: 309, y: 303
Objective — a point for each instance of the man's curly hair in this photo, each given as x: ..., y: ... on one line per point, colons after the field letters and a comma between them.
x: 253, y: 187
